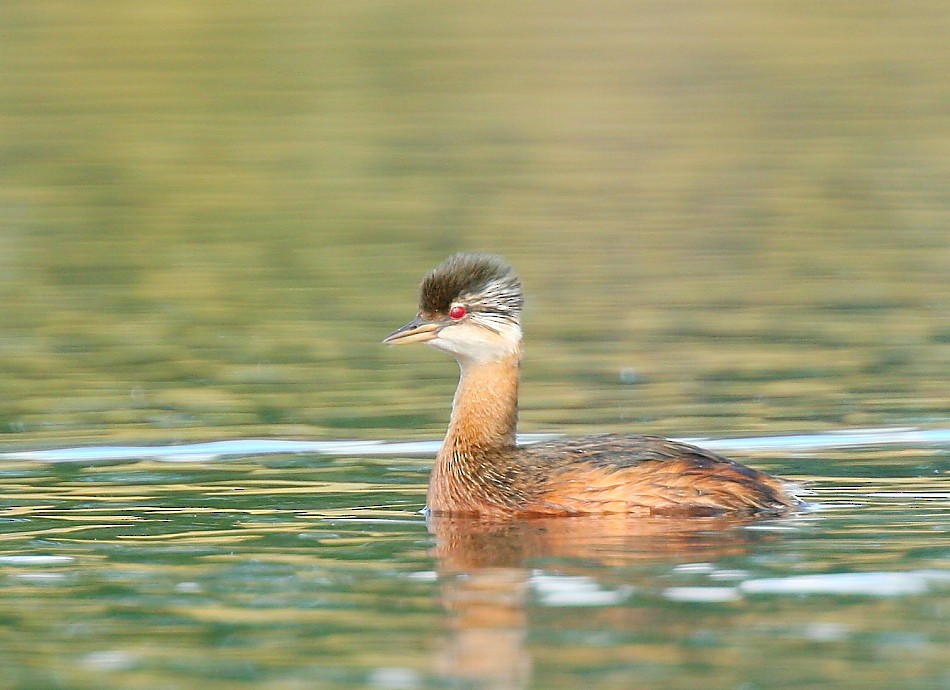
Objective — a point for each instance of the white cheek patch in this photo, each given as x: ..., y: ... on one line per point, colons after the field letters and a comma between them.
x: 471, y: 343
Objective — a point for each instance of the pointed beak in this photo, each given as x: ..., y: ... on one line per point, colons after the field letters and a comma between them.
x: 416, y: 331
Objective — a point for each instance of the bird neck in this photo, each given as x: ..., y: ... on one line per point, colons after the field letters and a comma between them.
x: 485, y: 408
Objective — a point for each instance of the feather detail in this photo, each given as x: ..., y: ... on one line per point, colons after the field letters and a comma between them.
x: 482, y: 282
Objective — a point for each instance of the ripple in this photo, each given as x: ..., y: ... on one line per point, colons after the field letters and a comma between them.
x: 709, y: 595
x: 870, y: 584
x: 215, y: 450
x: 35, y: 559
x: 567, y: 590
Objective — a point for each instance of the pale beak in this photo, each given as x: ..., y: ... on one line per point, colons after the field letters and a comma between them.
x: 416, y: 331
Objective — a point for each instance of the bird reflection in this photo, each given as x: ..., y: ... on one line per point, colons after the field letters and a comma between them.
x: 486, y: 570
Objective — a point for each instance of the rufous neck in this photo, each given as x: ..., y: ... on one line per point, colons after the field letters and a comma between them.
x: 485, y: 408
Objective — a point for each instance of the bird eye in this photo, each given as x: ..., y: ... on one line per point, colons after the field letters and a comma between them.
x: 457, y: 312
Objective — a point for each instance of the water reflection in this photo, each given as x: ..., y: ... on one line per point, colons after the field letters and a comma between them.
x: 464, y: 544
x: 487, y: 575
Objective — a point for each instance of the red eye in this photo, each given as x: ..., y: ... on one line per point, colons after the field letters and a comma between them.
x: 457, y: 312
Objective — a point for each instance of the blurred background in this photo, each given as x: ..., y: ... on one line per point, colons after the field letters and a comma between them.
x: 730, y: 218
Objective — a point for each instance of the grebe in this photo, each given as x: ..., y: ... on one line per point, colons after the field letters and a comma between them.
x: 470, y: 306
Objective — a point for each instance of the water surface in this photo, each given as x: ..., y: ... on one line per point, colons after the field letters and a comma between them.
x: 303, y: 570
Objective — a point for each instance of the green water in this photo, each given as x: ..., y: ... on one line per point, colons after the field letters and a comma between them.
x: 731, y: 221
x: 304, y: 571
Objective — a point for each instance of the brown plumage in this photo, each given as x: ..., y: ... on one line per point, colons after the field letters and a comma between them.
x: 470, y: 306
x: 468, y: 277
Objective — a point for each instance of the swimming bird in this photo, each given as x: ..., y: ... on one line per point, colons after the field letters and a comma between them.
x: 470, y: 306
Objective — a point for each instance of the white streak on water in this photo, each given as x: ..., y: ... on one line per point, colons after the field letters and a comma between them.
x: 34, y: 559
x: 205, y: 452
x: 709, y: 595
x: 871, y: 584
x: 866, y: 584
x: 570, y: 590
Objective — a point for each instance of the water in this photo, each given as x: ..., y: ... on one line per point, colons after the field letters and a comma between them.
x: 732, y: 225
x: 211, y: 566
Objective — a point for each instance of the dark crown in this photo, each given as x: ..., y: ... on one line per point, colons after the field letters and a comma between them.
x: 482, y: 282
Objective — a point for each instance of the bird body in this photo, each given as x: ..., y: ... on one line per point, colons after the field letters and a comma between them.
x: 470, y: 306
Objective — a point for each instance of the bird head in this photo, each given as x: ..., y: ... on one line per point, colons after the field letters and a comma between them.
x: 469, y: 306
